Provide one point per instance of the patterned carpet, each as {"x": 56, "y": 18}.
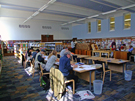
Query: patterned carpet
{"x": 16, "y": 85}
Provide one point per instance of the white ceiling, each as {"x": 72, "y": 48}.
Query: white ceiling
{"x": 63, "y": 10}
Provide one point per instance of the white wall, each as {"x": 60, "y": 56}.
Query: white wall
{"x": 9, "y": 29}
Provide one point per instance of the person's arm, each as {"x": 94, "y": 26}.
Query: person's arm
{"x": 40, "y": 59}
{"x": 68, "y": 65}
{"x": 130, "y": 50}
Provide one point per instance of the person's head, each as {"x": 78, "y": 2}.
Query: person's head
{"x": 68, "y": 54}
{"x": 130, "y": 46}
{"x": 30, "y": 49}
{"x": 42, "y": 51}
{"x": 66, "y": 48}
{"x": 37, "y": 50}
{"x": 52, "y": 53}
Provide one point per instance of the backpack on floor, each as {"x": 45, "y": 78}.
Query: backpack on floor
{"x": 45, "y": 82}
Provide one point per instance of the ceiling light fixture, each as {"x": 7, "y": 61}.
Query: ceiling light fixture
{"x": 102, "y": 14}
{"x": 36, "y": 13}
{"x": 109, "y": 12}
{"x": 93, "y": 16}
{"x": 71, "y": 21}
{"x": 43, "y": 8}
{"x": 64, "y": 24}
{"x": 128, "y": 6}
{"x": 40, "y": 9}
{"x": 81, "y": 19}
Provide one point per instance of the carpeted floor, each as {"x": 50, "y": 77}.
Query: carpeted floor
{"x": 16, "y": 85}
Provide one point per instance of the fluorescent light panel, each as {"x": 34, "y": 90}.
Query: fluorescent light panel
{"x": 81, "y": 19}
{"x": 41, "y": 9}
{"x": 108, "y": 12}
{"x": 93, "y": 16}
{"x": 128, "y": 6}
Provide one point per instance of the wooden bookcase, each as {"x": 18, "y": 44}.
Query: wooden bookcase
{"x": 8, "y": 48}
{"x": 20, "y": 48}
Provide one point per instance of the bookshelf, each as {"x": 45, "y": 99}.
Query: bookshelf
{"x": 19, "y": 49}
{"x": 8, "y": 48}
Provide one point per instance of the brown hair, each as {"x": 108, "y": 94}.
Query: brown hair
{"x": 52, "y": 53}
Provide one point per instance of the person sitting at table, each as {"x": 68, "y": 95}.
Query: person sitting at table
{"x": 63, "y": 51}
{"x": 28, "y": 54}
{"x": 52, "y": 58}
{"x": 114, "y": 47}
{"x": 65, "y": 67}
{"x": 35, "y": 53}
{"x": 123, "y": 47}
{"x": 129, "y": 51}
{"x": 39, "y": 59}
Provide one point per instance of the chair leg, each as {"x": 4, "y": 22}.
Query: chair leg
{"x": 33, "y": 73}
{"x": 73, "y": 87}
{"x": 110, "y": 75}
{"x": 40, "y": 77}
{"x": 103, "y": 77}
{"x": 101, "y": 74}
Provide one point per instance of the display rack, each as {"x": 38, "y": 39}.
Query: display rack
{"x": 34, "y": 45}
{"x": 49, "y": 46}
{"x": 8, "y": 48}
{"x": 20, "y": 48}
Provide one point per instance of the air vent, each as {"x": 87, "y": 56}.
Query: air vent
{"x": 64, "y": 28}
{"x": 24, "y": 26}
{"x": 46, "y": 27}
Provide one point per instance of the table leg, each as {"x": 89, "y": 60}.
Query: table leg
{"x": 90, "y": 81}
{"x": 123, "y": 71}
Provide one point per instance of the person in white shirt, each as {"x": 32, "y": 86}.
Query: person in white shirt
{"x": 63, "y": 51}
{"x": 73, "y": 46}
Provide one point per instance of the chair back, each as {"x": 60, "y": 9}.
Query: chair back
{"x": 78, "y": 59}
{"x": 75, "y": 58}
{"x": 57, "y": 82}
{"x": 58, "y": 55}
{"x": 133, "y": 51}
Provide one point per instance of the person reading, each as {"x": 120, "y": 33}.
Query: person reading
{"x": 65, "y": 67}
{"x": 63, "y": 51}
{"x": 39, "y": 59}
{"x": 52, "y": 58}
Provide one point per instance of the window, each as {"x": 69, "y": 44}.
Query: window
{"x": 112, "y": 23}
{"x": 98, "y": 25}
{"x": 89, "y": 27}
{"x": 127, "y": 21}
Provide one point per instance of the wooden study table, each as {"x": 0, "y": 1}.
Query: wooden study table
{"x": 87, "y": 75}
{"x": 101, "y": 51}
{"x": 117, "y": 65}
{"x": 81, "y": 56}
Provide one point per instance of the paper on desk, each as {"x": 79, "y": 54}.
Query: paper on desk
{"x": 57, "y": 63}
{"x": 88, "y": 67}
{"x": 46, "y": 57}
{"x": 78, "y": 69}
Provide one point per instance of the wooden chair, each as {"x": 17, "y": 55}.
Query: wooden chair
{"x": 104, "y": 71}
{"x": 41, "y": 73}
{"x": 33, "y": 65}
{"x": 58, "y": 83}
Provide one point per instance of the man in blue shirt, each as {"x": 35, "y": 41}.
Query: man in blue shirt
{"x": 129, "y": 51}
{"x": 65, "y": 67}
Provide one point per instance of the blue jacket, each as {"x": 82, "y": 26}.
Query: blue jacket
{"x": 64, "y": 65}
{"x": 34, "y": 54}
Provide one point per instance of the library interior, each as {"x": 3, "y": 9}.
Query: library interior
{"x": 67, "y": 50}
